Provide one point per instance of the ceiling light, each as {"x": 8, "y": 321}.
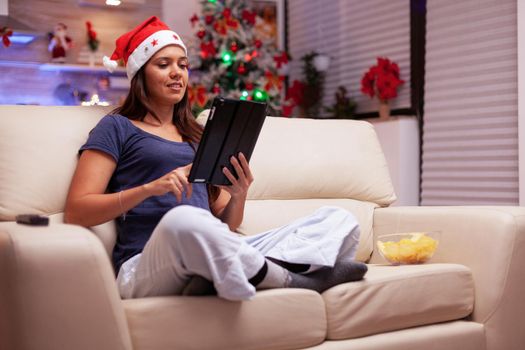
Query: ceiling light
{"x": 112, "y": 2}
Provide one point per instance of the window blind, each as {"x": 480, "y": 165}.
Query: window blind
{"x": 470, "y": 131}
{"x": 353, "y": 33}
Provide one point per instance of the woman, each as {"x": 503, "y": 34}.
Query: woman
{"x": 134, "y": 168}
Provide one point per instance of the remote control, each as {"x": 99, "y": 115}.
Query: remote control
{"x": 32, "y": 219}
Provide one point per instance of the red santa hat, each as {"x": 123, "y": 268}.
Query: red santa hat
{"x": 140, "y": 44}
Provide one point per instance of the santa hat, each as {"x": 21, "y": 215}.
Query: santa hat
{"x": 139, "y": 45}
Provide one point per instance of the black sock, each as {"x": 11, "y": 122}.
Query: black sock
{"x": 327, "y": 277}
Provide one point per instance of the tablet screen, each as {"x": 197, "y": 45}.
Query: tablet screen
{"x": 233, "y": 126}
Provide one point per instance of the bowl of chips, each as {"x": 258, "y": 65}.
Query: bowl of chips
{"x": 408, "y": 248}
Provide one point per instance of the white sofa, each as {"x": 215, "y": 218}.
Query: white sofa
{"x": 57, "y": 288}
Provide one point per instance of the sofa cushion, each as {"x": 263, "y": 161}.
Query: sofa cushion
{"x": 262, "y": 215}
{"x": 274, "y": 319}
{"x": 397, "y": 297}
{"x": 462, "y": 335}
{"x": 307, "y": 158}
{"x": 38, "y": 155}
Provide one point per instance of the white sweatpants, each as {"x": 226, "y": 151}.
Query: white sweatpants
{"x": 191, "y": 241}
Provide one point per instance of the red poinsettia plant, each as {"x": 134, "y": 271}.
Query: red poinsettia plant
{"x": 93, "y": 42}
{"x": 382, "y": 80}
{"x": 5, "y": 33}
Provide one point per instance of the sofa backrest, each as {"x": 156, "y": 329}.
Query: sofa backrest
{"x": 298, "y": 165}
{"x": 38, "y": 155}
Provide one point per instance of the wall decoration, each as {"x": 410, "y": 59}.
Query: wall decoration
{"x": 270, "y": 20}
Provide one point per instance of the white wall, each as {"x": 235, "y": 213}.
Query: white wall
{"x": 521, "y": 98}
{"x": 3, "y": 7}
{"x": 399, "y": 138}
{"x": 177, "y": 13}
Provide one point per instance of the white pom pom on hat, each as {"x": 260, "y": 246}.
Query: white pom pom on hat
{"x": 110, "y": 65}
{"x": 137, "y": 46}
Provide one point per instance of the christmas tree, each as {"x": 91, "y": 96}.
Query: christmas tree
{"x": 231, "y": 58}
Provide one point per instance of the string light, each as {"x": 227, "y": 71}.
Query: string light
{"x": 227, "y": 57}
{"x": 244, "y": 95}
{"x": 260, "y": 95}
{"x": 95, "y": 101}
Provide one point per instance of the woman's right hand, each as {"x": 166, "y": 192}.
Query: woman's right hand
{"x": 176, "y": 181}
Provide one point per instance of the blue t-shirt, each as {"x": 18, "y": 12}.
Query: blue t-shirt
{"x": 141, "y": 158}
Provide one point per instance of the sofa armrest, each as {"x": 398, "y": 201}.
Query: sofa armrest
{"x": 488, "y": 240}
{"x": 58, "y": 290}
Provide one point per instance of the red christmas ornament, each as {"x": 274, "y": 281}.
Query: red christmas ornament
{"x": 216, "y": 89}
{"x": 234, "y": 47}
{"x": 241, "y": 69}
{"x": 249, "y": 86}
{"x": 208, "y": 49}
{"x": 249, "y": 16}
{"x": 194, "y": 19}
{"x": 220, "y": 27}
{"x": 227, "y": 12}
{"x": 201, "y": 33}
{"x": 209, "y": 19}
{"x": 232, "y": 23}
{"x": 258, "y": 43}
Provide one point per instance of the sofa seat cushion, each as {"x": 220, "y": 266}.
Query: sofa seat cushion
{"x": 263, "y": 215}
{"x": 273, "y": 319}
{"x": 398, "y": 297}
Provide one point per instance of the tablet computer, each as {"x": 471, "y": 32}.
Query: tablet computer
{"x": 233, "y": 126}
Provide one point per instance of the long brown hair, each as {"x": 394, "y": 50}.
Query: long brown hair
{"x": 136, "y": 106}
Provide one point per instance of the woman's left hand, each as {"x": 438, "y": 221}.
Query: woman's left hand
{"x": 239, "y": 187}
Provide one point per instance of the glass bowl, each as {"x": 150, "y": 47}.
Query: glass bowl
{"x": 408, "y": 248}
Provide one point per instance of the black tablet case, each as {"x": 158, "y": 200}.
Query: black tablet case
{"x": 233, "y": 126}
